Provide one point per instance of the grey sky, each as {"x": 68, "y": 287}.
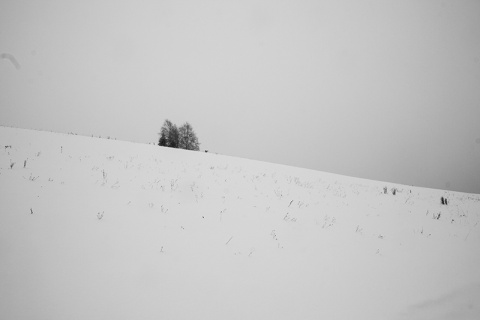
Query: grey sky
{"x": 385, "y": 90}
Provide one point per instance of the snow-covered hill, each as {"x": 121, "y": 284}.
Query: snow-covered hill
{"x": 101, "y": 229}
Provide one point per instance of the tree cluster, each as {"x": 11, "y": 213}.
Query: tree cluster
{"x": 183, "y": 137}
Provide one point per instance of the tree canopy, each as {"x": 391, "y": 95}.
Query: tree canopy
{"x": 168, "y": 135}
{"x": 187, "y": 138}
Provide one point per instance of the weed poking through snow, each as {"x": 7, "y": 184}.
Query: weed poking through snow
{"x": 444, "y": 201}
{"x": 328, "y": 221}
{"x": 359, "y": 230}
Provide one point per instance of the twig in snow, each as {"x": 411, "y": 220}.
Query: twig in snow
{"x": 274, "y": 235}
{"x": 229, "y": 240}
{"x": 359, "y": 230}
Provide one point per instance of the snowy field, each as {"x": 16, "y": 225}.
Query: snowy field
{"x": 100, "y": 229}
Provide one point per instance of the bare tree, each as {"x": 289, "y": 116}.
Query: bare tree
{"x": 168, "y": 135}
{"x": 187, "y": 138}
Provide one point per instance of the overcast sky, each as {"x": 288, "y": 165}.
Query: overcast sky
{"x": 384, "y": 90}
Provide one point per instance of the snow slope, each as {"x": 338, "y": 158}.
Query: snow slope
{"x": 101, "y": 229}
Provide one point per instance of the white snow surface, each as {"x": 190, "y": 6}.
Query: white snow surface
{"x": 101, "y": 229}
